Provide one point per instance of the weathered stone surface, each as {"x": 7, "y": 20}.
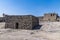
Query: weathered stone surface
{"x": 21, "y": 22}
{"x": 49, "y": 17}
{"x": 28, "y": 21}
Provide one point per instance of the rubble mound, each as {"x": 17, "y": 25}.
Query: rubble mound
{"x": 50, "y": 26}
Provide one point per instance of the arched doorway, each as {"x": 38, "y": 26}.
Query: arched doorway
{"x": 17, "y": 24}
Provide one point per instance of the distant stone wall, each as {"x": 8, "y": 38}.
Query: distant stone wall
{"x": 49, "y": 17}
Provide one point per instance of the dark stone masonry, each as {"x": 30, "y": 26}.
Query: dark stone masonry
{"x": 27, "y": 21}
{"x": 20, "y": 22}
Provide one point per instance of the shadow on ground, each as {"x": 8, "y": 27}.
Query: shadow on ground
{"x": 37, "y": 27}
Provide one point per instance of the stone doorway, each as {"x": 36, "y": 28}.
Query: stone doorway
{"x": 17, "y": 24}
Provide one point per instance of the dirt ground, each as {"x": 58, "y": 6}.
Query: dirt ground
{"x": 18, "y": 34}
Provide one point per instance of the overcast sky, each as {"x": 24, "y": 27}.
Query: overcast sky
{"x": 29, "y": 7}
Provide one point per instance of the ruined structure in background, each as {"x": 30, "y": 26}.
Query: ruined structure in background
{"x": 49, "y": 17}
{"x": 28, "y": 21}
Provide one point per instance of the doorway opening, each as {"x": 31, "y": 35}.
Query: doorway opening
{"x": 17, "y": 25}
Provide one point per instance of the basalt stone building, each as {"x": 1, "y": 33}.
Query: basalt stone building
{"x": 21, "y": 21}
{"x": 28, "y": 21}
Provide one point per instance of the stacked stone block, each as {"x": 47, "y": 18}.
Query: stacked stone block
{"x": 24, "y": 21}
{"x": 49, "y": 17}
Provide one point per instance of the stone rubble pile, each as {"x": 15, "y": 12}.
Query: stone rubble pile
{"x": 50, "y": 26}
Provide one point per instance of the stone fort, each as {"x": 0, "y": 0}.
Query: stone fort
{"x": 27, "y": 21}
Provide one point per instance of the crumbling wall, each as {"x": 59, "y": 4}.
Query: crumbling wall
{"x": 35, "y": 21}
{"x": 49, "y": 17}
{"x": 24, "y": 21}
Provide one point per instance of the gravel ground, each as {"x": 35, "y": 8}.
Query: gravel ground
{"x": 18, "y": 34}
{"x": 10, "y": 34}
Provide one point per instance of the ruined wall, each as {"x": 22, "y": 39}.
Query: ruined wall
{"x": 28, "y": 21}
{"x": 24, "y": 22}
{"x": 49, "y": 17}
{"x": 35, "y": 21}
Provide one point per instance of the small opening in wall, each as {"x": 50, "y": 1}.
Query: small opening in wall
{"x": 51, "y": 14}
{"x": 17, "y": 25}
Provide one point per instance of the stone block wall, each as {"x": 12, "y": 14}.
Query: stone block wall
{"x": 28, "y": 21}
{"x": 50, "y": 17}
{"x": 23, "y": 21}
{"x": 35, "y": 21}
